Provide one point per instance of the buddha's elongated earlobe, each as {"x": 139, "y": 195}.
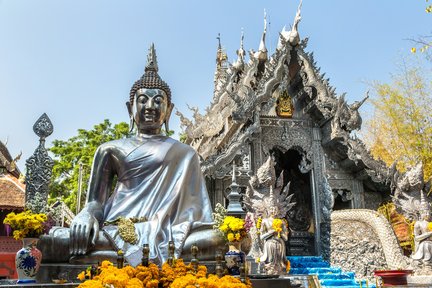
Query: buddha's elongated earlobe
{"x": 131, "y": 117}
{"x": 166, "y": 127}
{"x": 167, "y": 117}
{"x": 131, "y": 124}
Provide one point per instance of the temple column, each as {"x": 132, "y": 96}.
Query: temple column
{"x": 316, "y": 185}
{"x": 219, "y": 193}
{"x": 358, "y": 194}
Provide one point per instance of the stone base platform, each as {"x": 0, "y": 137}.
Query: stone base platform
{"x": 69, "y": 272}
{"x": 420, "y": 281}
{"x": 12, "y": 284}
{"x": 294, "y": 281}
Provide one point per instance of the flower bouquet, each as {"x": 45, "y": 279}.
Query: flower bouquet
{"x": 231, "y": 228}
{"x": 26, "y": 224}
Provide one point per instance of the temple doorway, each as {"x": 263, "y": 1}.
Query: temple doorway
{"x": 342, "y": 199}
{"x": 300, "y": 217}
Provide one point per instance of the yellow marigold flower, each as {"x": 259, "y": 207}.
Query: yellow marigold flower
{"x": 237, "y": 236}
{"x": 134, "y": 283}
{"x": 130, "y": 271}
{"x": 81, "y": 276}
{"x": 429, "y": 226}
{"x": 230, "y": 237}
{"x": 224, "y": 228}
{"x": 258, "y": 223}
{"x": 91, "y": 284}
{"x": 152, "y": 284}
{"x": 106, "y": 264}
{"x": 26, "y": 224}
{"x": 277, "y": 225}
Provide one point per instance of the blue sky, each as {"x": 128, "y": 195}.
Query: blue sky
{"x": 76, "y": 60}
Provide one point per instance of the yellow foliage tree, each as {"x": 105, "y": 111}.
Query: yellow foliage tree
{"x": 401, "y": 127}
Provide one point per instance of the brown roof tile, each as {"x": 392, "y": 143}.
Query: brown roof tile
{"x": 12, "y": 193}
{"x": 6, "y": 160}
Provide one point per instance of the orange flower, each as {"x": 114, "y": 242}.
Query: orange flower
{"x": 178, "y": 275}
{"x": 91, "y": 284}
{"x": 288, "y": 266}
{"x": 81, "y": 276}
{"x": 134, "y": 283}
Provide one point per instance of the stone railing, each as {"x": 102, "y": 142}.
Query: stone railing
{"x": 377, "y": 229}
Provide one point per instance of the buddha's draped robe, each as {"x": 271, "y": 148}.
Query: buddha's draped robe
{"x": 158, "y": 178}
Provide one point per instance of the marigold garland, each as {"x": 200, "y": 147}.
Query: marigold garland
{"x": 258, "y": 225}
{"x": 212, "y": 281}
{"x": 277, "y": 225}
{"x": 176, "y": 276}
{"x": 429, "y": 226}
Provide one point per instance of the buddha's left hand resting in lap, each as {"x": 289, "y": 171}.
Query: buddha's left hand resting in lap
{"x": 160, "y": 194}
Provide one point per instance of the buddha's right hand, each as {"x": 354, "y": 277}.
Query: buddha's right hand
{"x": 83, "y": 233}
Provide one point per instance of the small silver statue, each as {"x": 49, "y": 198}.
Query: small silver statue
{"x": 160, "y": 194}
{"x": 423, "y": 234}
{"x": 274, "y": 252}
{"x": 267, "y": 198}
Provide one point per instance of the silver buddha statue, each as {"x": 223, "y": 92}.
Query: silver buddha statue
{"x": 160, "y": 194}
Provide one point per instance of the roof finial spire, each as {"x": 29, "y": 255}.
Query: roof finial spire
{"x": 239, "y": 64}
{"x": 221, "y": 63}
{"x": 152, "y": 60}
{"x": 294, "y": 37}
{"x": 262, "y": 47}
{"x": 241, "y": 39}
{"x": 219, "y": 40}
{"x": 261, "y": 54}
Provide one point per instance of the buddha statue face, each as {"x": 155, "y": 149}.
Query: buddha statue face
{"x": 149, "y": 110}
{"x": 150, "y": 99}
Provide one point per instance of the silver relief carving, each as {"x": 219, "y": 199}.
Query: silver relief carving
{"x": 39, "y": 168}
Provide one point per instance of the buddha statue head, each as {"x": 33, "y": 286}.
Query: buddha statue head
{"x": 150, "y": 104}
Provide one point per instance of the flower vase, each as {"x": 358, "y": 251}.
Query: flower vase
{"x": 234, "y": 258}
{"x": 28, "y": 260}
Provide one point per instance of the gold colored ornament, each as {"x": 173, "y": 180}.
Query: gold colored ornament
{"x": 126, "y": 229}
{"x": 284, "y": 105}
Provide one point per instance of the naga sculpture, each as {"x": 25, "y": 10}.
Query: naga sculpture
{"x": 347, "y": 117}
